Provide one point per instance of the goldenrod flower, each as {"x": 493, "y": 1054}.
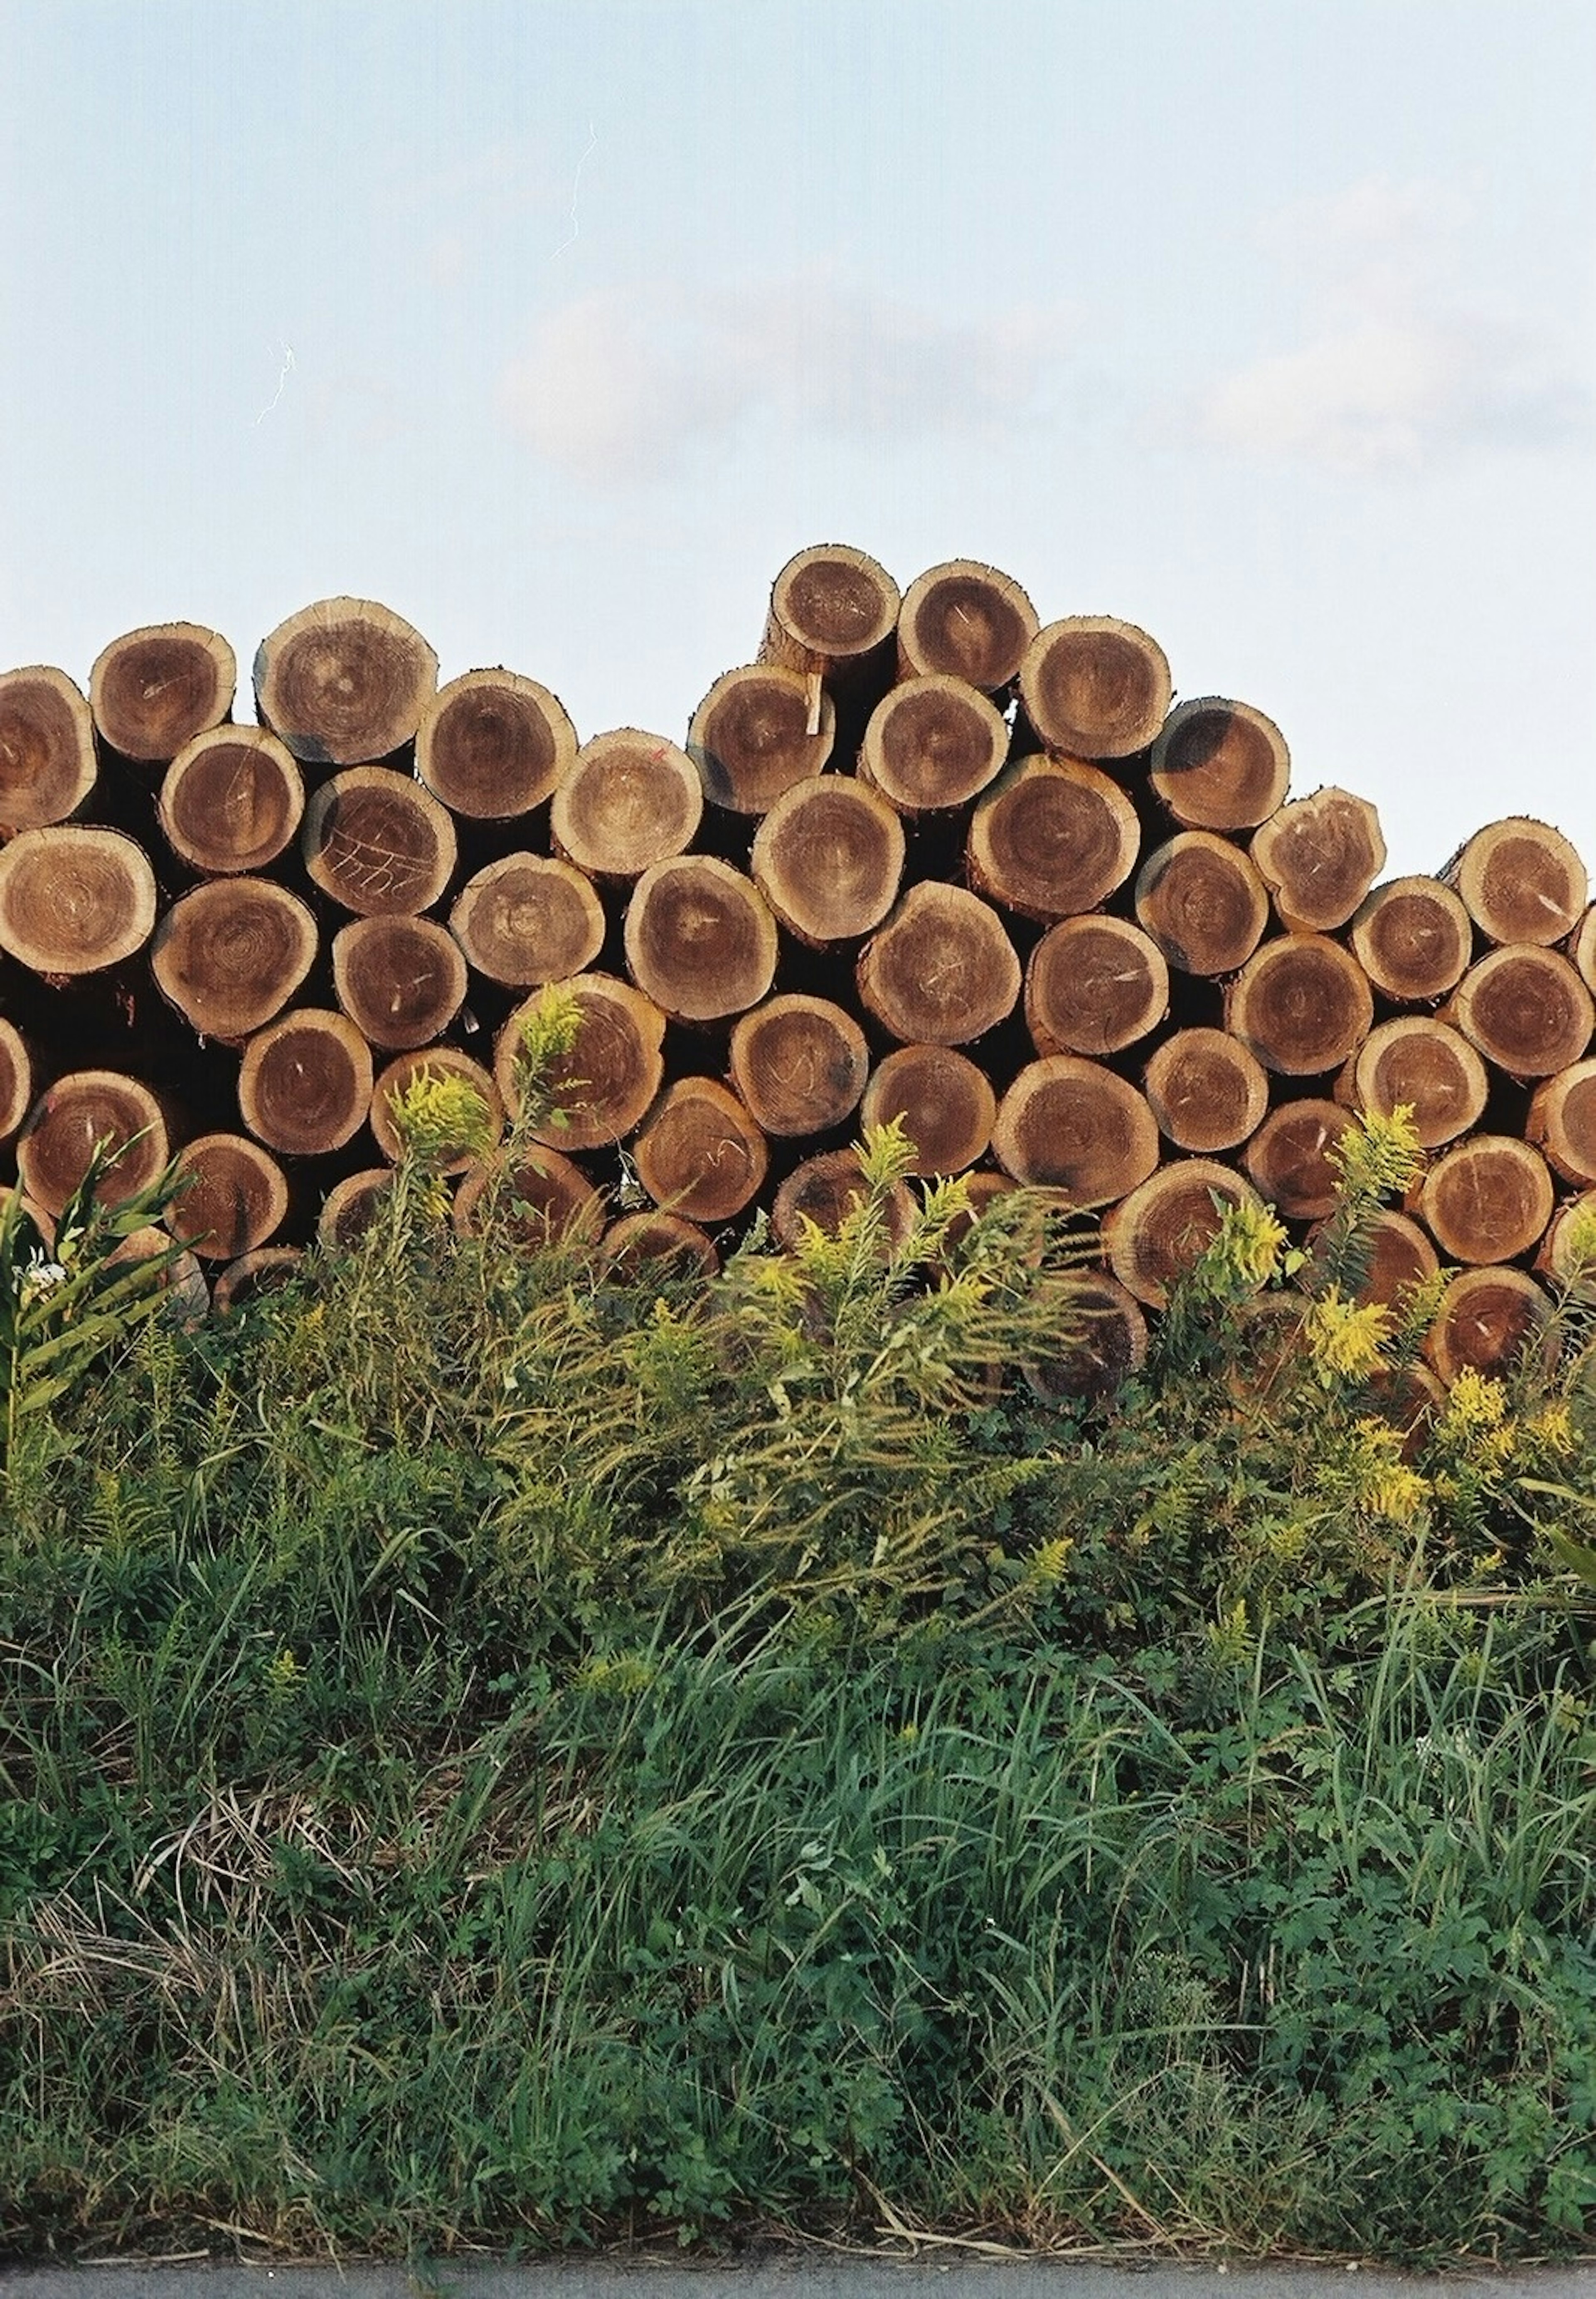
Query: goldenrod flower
{"x": 1346, "y": 1336}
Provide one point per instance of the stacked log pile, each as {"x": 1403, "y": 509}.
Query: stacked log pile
{"x": 925, "y": 857}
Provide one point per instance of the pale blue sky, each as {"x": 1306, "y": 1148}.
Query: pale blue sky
{"x": 1270, "y": 323}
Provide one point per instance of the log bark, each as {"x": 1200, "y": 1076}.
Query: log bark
{"x": 799, "y": 1065}
{"x": 832, "y": 611}
{"x": 1429, "y": 1067}
{"x": 1155, "y": 1234}
{"x": 932, "y": 742}
{"x": 1207, "y": 1091}
{"x": 1562, "y": 1122}
{"x": 1302, "y": 1004}
{"x": 253, "y": 1274}
{"x": 1075, "y": 1127}
{"x": 1413, "y": 938}
{"x": 1094, "y": 985}
{"x": 1288, "y": 1158}
{"x": 967, "y": 620}
{"x": 1220, "y": 764}
{"x": 1526, "y": 1010}
{"x": 232, "y": 801}
{"x": 828, "y": 859}
{"x": 602, "y": 1087}
{"x": 351, "y": 1206}
{"x": 1486, "y": 1318}
{"x": 531, "y": 1203}
{"x": 628, "y": 800}
{"x": 824, "y": 1191}
{"x": 305, "y": 1084}
{"x": 48, "y": 764}
{"x": 1202, "y": 902}
{"x": 492, "y": 744}
{"x": 1052, "y": 838}
{"x": 16, "y": 1079}
{"x": 231, "y": 953}
{"x": 75, "y": 900}
{"x": 151, "y": 691}
{"x": 344, "y": 682}
{"x": 526, "y": 920}
{"x": 86, "y": 1107}
{"x": 946, "y": 1106}
{"x": 1111, "y": 1344}
{"x": 639, "y": 1247}
{"x": 401, "y": 981}
{"x": 1095, "y": 688}
{"x": 942, "y": 971}
{"x": 1520, "y": 882}
{"x": 1488, "y": 1199}
{"x": 751, "y": 736}
{"x": 1319, "y": 857}
{"x": 700, "y": 940}
{"x": 438, "y": 1062}
{"x": 378, "y": 843}
{"x": 234, "y": 1197}
{"x": 699, "y": 1154}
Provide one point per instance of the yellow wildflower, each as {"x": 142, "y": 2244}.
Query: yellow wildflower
{"x": 1476, "y": 1403}
{"x": 1346, "y": 1336}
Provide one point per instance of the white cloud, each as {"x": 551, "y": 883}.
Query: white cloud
{"x": 623, "y": 386}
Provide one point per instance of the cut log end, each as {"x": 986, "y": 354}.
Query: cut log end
{"x": 1289, "y": 1158}
{"x": 1526, "y": 1010}
{"x": 16, "y": 1079}
{"x": 945, "y": 1106}
{"x": 630, "y": 800}
{"x": 798, "y": 1064}
{"x": 601, "y": 1089}
{"x": 231, "y": 953}
{"x": 1427, "y": 1067}
{"x": 824, "y": 1191}
{"x": 644, "y": 1247}
{"x": 1077, "y": 1128}
{"x": 700, "y": 939}
{"x": 234, "y": 1197}
{"x": 751, "y": 736}
{"x": 154, "y": 690}
{"x": 1110, "y": 1345}
{"x": 1154, "y": 1235}
{"x": 1319, "y": 857}
{"x": 75, "y": 900}
{"x": 48, "y": 763}
{"x": 1206, "y": 1090}
{"x": 1413, "y": 939}
{"x": 1520, "y": 882}
{"x": 536, "y": 1203}
{"x": 447, "y": 1156}
{"x": 1095, "y": 688}
{"x": 378, "y": 843}
{"x": 526, "y": 920}
{"x": 254, "y": 1275}
{"x": 401, "y": 980}
{"x": 932, "y": 742}
{"x": 1052, "y": 838}
{"x": 1220, "y": 764}
{"x": 829, "y": 859}
{"x": 1094, "y": 985}
{"x": 305, "y": 1084}
{"x": 942, "y": 971}
{"x": 1486, "y": 1318}
{"x": 492, "y": 744}
{"x": 700, "y": 1153}
{"x": 967, "y": 620}
{"x": 80, "y": 1113}
{"x": 830, "y": 606}
{"x": 1202, "y": 902}
{"x": 351, "y": 1206}
{"x": 344, "y": 682}
{"x": 1562, "y": 1122}
{"x": 232, "y": 801}
{"x": 1400, "y": 1258}
{"x": 1488, "y": 1199}
{"x": 1301, "y": 1004}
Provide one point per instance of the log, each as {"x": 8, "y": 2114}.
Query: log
{"x": 73, "y": 900}
{"x": 653, "y": 1245}
{"x": 699, "y": 939}
{"x": 378, "y": 843}
{"x": 828, "y": 859}
{"x": 967, "y": 620}
{"x": 16, "y": 1079}
{"x": 1094, "y": 985}
{"x": 1557, "y": 1258}
{"x": 1052, "y": 838}
{"x": 1075, "y": 1127}
{"x": 1520, "y": 882}
{"x": 602, "y": 1088}
{"x": 1562, "y": 1122}
{"x": 182, "y": 1281}
{"x": 799, "y": 1065}
{"x": 942, "y": 971}
{"x": 1220, "y": 764}
{"x": 1095, "y": 688}
{"x": 67, "y": 1123}
{"x": 945, "y": 1104}
{"x": 534, "y": 1202}
{"x": 1525, "y": 1009}
{"x": 1582, "y": 947}
{"x": 699, "y": 1154}
{"x": 1400, "y": 1257}
{"x": 154, "y": 690}
{"x": 234, "y": 1197}
{"x": 1429, "y": 1067}
{"x": 344, "y": 682}
{"x": 1111, "y": 1346}
{"x": 48, "y": 764}
{"x": 751, "y": 736}
{"x": 1487, "y": 1317}
{"x": 1155, "y": 1234}
{"x": 629, "y": 800}
{"x": 832, "y": 611}
{"x": 824, "y": 1191}
{"x": 1413, "y": 939}
{"x": 1202, "y": 902}
{"x": 1288, "y": 1158}
{"x": 305, "y": 1084}
{"x": 1301, "y": 1004}
{"x": 1487, "y": 1199}
{"x": 1207, "y": 1091}
{"x": 932, "y": 743}
{"x": 231, "y": 953}
{"x": 492, "y": 744}
{"x": 351, "y": 1206}
{"x": 438, "y": 1062}
{"x": 401, "y": 980}
{"x": 1319, "y": 856}
{"x": 264, "y": 1270}
{"x": 232, "y": 799}
{"x": 526, "y": 920}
